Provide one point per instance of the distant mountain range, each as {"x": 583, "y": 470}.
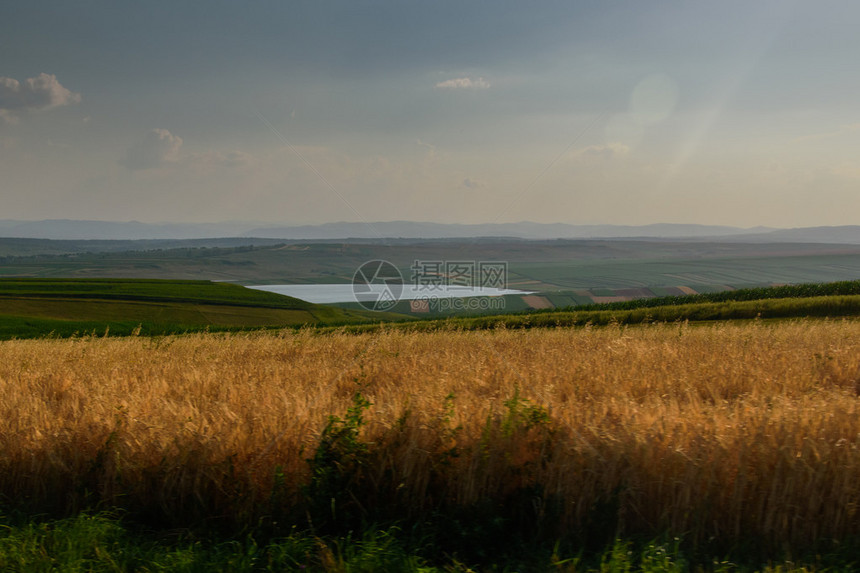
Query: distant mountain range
{"x": 846, "y": 234}
{"x": 524, "y": 230}
{"x": 133, "y": 230}
{"x": 70, "y": 229}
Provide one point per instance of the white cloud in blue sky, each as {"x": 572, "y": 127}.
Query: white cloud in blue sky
{"x": 668, "y": 111}
{"x": 464, "y": 83}
{"x": 33, "y": 94}
{"x": 159, "y": 147}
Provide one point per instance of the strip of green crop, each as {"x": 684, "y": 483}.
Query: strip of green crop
{"x": 153, "y": 290}
{"x": 22, "y": 327}
{"x": 841, "y": 288}
{"x": 821, "y": 306}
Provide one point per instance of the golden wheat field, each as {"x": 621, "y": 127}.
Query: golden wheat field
{"x": 728, "y": 430}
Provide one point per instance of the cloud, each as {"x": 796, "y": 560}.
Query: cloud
{"x": 431, "y": 149}
{"x": 229, "y": 159}
{"x": 8, "y": 117}
{"x": 464, "y": 83}
{"x": 158, "y": 148}
{"x": 607, "y": 151}
{"x": 33, "y": 94}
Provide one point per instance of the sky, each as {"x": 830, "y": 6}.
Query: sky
{"x": 588, "y": 112}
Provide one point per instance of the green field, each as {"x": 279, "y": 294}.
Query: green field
{"x": 830, "y": 300}
{"x": 185, "y": 291}
{"x": 38, "y": 307}
{"x": 562, "y": 273}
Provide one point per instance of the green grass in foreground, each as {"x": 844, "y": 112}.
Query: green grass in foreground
{"x": 102, "y": 542}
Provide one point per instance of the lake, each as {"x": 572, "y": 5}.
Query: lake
{"x": 332, "y": 293}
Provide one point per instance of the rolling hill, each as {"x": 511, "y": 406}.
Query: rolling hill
{"x": 64, "y": 307}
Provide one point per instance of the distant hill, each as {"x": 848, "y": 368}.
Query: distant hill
{"x": 66, "y": 229}
{"x": 69, "y": 229}
{"x": 848, "y": 235}
{"x": 35, "y": 247}
{"x": 64, "y": 307}
{"x": 523, "y": 230}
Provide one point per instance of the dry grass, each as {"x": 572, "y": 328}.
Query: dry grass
{"x": 727, "y": 431}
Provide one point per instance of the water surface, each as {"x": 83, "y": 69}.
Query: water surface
{"x": 332, "y": 293}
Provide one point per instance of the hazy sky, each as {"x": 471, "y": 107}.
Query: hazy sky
{"x": 629, "y": 112}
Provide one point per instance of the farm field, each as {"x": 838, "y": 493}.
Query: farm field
{"x": 533, "y": 265}
{"x": 739, "y": 440}
{"x": 562, "y": 273}
{"x": 36, "y": 307}
{"x": 839, "y": 299}
{"x": 73, "y": 307}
